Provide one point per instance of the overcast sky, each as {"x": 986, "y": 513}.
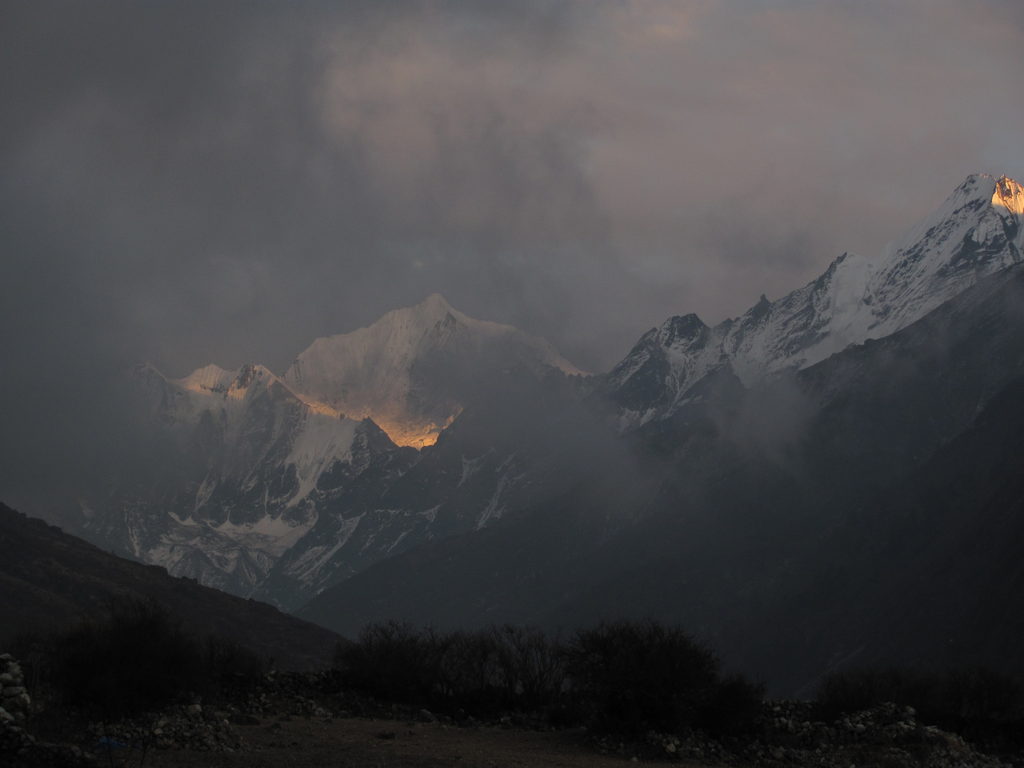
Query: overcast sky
{"x": 193, "y": 182}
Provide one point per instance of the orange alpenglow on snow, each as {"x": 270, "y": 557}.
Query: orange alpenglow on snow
{"x": 404, "y": 372}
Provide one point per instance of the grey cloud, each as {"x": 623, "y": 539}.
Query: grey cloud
{"x": 197, "y": 182}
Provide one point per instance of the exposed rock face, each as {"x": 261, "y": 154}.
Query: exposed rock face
{"x": 977, "y": 231}
{"x": 231, "y": 485}
{"x": 279, "y": 487}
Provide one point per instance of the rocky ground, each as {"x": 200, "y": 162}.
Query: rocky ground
{"x": 301, "y": 720}
{"x": 374, "y": 743}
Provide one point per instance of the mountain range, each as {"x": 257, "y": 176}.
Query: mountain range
{"x": 276, "y": 487}
{"x": 975, "y": 232}
{"x": 797, "y": 485}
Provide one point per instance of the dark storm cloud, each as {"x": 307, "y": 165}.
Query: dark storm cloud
{"x": 250, "y": 180}
{"x": 193, "y": 182}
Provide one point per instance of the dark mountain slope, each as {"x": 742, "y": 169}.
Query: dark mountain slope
{"x": 940, "y": 557}
{"x": 756, "y": 537}
{"x": 49, "y": 580}
{"x": 533, "y": 440}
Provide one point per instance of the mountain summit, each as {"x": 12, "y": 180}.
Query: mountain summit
{"x": 1009, "y": 194}
{"x": 977, "y": 231}
{"x": 254, "y": 465}
{"x": 413, "y": 370}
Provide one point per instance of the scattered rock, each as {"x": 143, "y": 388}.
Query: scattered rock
{"x": 886, "y": 734}
{"x": 14, "y": 699}
{"x": 19, "y": 748}
{"x": 175, "y": 728}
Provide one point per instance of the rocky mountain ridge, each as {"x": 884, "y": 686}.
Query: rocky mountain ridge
{"x": 865, "y": 510}
{"x": 269, "y": 486}
{"x": 977, "y": 231}
{"x": 272, "y": 486}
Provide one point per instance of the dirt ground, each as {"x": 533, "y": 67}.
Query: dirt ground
{"x": 365, "y": 743}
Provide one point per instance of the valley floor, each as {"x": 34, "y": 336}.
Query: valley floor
{"x": 375, "y": 743}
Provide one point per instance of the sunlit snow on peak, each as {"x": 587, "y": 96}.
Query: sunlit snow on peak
{"x": 974, "y": 232}
{"x": 209, "y": 378}
{"x": 417, "y": 434}
{"x": 1009, "y": 194}
{"x": 401, "y": 370}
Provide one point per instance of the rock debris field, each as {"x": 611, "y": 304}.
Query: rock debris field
{"x": 289, "y": 720}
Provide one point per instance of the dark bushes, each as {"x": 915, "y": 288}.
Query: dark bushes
{"x": 229, "y": 668}
{"x": 624, "y": 677}
{"x": 635, "y": 677}
{"x": 470, "y": 676}
{"x": 500, "y": 669}
{"x": 137, "y": 658}
{"x": 392, "y": 661}
{"x": 531, "y": 667}
{"x": 504, "y": 668}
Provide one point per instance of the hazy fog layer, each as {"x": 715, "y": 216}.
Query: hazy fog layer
{"x": 192, "y": 182}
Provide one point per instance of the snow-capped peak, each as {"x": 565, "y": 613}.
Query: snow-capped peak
{"x": 1009, "y": 195}
{"x": 249, "y": 376}
{"x": 389, "y": 371}
{"x": 979, "y": 194}
{"x": 435, "y": 304}
{"x": 681, "y": 329}
{"x": 209, "y": 378}
{"x": 402, "y": 371}
{"x": 976, "y": 231}
{"x": 214, "y": 380}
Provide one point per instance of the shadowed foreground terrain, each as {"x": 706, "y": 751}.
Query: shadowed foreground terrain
{"x": 659, "y": 700}
{"x": 50, "y": 580}
{"x": 372, "y": 743}
{"x": 292, "y": 730}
